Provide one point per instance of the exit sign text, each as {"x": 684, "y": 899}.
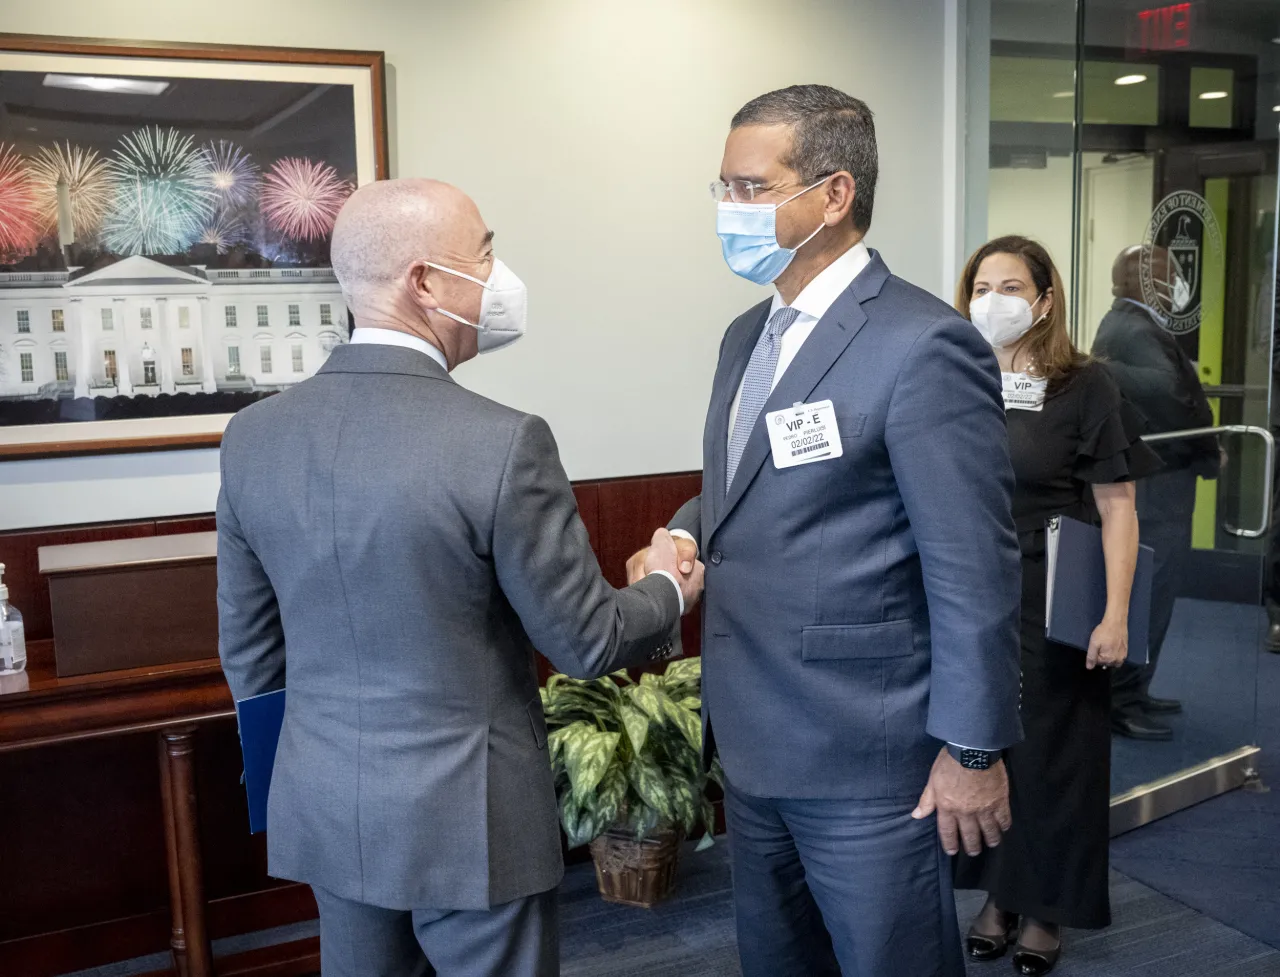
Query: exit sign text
{"x": 1163, "y": 28}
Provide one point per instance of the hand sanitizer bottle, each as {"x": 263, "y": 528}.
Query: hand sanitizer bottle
{"x": 13, "y": 642}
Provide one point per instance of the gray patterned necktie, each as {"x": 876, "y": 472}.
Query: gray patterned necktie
{"x": 757, "y": 384}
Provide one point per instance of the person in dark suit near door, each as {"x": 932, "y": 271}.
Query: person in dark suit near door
{"x": 860, "y": 637}
{"x": 391, "y": 549}
{"x": 1158, "y": 378}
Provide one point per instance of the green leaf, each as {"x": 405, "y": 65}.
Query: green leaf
{"x": 689, "y": 723}
{"x": 708, "y": 840}
{"x": 643, "y": 820}
{"x": 649, "y": 699}
{"x": 684, "y": 670}
{"x": 648, "y": 780}
{"x": 717, "y": 772}
{"x": 651, "y": 680}
{"x": 610, "y": 796}
{"x": 636, "y": 724}
{"x": 570, "y": 815}
{"x": 587, "y": 754}
{"x": 556, "y": 738}
{"x": 693, "y": 702}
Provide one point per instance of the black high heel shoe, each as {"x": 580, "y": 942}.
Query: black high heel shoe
{"x": 984, "y": 946}
{"x": 1035, "y": 963}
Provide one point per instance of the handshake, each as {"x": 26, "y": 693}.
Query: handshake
{"x": 675, "y": 555}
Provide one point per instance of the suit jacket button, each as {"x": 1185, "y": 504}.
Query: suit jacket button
{"x": 716, "y": 557}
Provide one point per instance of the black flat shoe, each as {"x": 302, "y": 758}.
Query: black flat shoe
{"x": 1035, "y": 963}
{"x": 983, "y": 946}
{"x": 1140, "y": 728}
{"x": 1161, "y": 707}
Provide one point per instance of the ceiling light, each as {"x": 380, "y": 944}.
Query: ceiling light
{"x": 1275, "y": 108}
{"x": 1064, "y": 94}
{"x": 1210, "y": 96}
{"x": 1131, "y": 79}
{"x": 96, "y": 83}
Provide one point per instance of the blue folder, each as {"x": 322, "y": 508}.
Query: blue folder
{"x": 260, "y": 718}
{"x": 1076, "y": 591}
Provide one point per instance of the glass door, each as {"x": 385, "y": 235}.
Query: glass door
{"x": 1175, "y": 268}
{"x": 1138, "y": 142}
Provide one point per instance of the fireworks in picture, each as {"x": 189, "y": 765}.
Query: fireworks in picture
{"x": 163, "y": 193}
{"x": 19, "y": 219}
{"x": 223, "y": 232}
{"x": 302, "y": 197}
{"x": 87, "y": 180}
{"x": 233, "y": 174}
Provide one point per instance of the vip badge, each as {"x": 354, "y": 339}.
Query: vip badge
{"x": 1182, "y": 230}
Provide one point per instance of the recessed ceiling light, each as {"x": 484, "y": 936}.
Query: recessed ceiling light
{"x": 1131, "y": 79}
{"x": 1275, "y": 108}
{"x": 1064, "y": 94}
{"x": 97, "y": 83}
{"x": 1210, "y": 96}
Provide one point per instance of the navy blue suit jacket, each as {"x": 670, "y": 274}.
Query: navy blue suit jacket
{"x": 860, "y": 610}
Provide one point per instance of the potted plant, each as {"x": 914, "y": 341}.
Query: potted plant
{"x": 628, "y": 762}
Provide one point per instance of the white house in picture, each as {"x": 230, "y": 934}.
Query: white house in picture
{"x": 139, "y": 327}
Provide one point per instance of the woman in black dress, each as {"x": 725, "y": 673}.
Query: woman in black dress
{"x": 1073, "y": 455}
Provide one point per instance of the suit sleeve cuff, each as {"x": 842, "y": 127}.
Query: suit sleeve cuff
{"x": 675, "y": 583}
{"x": 684, "y": 535}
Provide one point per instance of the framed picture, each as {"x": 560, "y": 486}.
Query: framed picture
{"x": 165, "y": 219}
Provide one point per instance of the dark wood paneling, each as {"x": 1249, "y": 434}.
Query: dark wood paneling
{"x": 28, "y": 590}
{"x": 186, "y": 524}
{"x": 85, "y": 884}
{"x": 87, "y": 839}
{"x": 631, "y": 509}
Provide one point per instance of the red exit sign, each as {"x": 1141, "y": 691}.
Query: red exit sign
{"x": 1163, "y": 28}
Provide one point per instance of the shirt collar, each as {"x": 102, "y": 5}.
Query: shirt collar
{"x": 1159, "y": 319}
{"x": 821, "y": 293}
{"x": 390, "y": 337}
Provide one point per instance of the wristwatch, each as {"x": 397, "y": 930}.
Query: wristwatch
{"x": 973, "y": 759}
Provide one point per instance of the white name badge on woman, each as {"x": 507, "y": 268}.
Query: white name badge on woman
{"x": 1022, "y": 391}
{"x": 804, "y": 433}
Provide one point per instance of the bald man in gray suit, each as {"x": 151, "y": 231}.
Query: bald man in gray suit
{"x": 391, "y": 547}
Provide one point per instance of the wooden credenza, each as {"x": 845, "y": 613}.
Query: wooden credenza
{"x": 125, "y": 831}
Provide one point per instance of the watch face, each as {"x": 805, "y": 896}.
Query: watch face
{"x": 975, "y": 759}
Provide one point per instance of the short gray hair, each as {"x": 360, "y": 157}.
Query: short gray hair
{"x": 832, "y": 131}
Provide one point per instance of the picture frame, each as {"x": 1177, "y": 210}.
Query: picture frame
{"x": 165, "y": 210}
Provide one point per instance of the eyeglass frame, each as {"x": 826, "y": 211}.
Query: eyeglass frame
{"x": 722, "y": 188}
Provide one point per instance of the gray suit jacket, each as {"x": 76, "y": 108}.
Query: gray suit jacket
{"x": 389, "y": 545}
{"x": 860, "y": 610}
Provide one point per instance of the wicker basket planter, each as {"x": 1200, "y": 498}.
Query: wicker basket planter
{"x": 636, "y": 873}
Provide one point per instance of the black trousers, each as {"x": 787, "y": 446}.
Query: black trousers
{"x": 1166, "y": 503}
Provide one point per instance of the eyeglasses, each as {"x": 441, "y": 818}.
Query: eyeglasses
{"x": 744, "y": 191}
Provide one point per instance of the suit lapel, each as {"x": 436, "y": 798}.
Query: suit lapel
{"x": 736, "y": 357}
{"x": 829, "y": 339}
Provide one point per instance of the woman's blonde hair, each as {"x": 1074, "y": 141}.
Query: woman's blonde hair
{"x": 1048, "y": 345}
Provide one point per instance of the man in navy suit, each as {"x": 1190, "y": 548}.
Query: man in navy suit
{"x": 860, "y": 631}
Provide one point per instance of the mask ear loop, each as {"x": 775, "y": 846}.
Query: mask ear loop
{"x": 458, "y": 274}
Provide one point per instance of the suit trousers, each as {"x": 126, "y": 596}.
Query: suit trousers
{"x": 1166, "y": 504}
{"x": 840, "y": 888}
{"x": 518, "y": 939}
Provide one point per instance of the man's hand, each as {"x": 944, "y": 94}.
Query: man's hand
{"x": 686, "y": 553}
{"x": 972, "y": 805}
{"x": 664, "y": 552}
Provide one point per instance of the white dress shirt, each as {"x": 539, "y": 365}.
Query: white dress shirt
{"x": 813, "y": 302}
{"x": 390, "y": 337}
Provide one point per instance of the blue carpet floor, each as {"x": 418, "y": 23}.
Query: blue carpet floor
{"x": 1223, "y": 856}
{"x": 692, "y": 935}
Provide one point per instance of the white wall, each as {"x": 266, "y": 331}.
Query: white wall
{"x": 587, "y": 131}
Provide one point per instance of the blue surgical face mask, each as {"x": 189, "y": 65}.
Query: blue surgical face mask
{"x": 749, "y": 238}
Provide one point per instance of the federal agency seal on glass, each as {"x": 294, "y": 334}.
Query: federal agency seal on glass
{"x": 1181, "y": 231}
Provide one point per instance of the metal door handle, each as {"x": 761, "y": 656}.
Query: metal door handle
{"x": 1268, "y": 468}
